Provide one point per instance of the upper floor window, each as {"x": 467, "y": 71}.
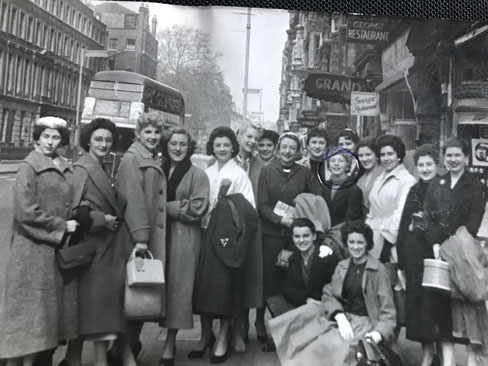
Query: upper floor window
{"x": 4, "y": 17}
{"x": 13, "y": 21}
{"x": 113, "y": 44}
{"x": 20, "y": 33}
{"x": 130, "y": 44}
{"x": 130, "y": 21}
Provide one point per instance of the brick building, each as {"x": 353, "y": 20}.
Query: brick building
{"x": 131, "y": 37}
{"x": 40, "y": 43}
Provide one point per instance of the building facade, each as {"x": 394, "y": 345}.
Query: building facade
{"x": 130, "y": 37}
{"x": 40, "y": 46}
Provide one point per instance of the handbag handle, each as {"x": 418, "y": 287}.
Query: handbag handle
{"x": 133, "y": 254}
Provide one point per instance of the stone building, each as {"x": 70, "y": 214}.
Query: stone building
{"x": 130, "y": 37}
{"x": 40, "y": 45}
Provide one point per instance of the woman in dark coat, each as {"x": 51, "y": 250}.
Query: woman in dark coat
{"x": 282, "y": 180}
{"x": 453, "y": 200}
{"x": 101, "y": 283}
{"x": 343, "y": 196}
{"x": 309, "y": 269}
{"x": 188, "y": 191}
{"x": 34, "y": 315}
{"x": 423, "y": 305}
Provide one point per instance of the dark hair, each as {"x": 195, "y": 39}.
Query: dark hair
{"x": 349, "y": 134}
{"x": 180, "y": 131}
{"x": 64, "y": 132}
{"x": 367, "y": 142}
{"x": 426, "y": 150}
{"x": 303, "y": 222}
{"x": 359, "y": 227}
{"x": 456, "y": 142}
{"x": 318, "y": 132}
{"x": 270, "y": 135}
{"x": 394, "y": 142}
{"x": 222, "y": 131}
{"x": 96, "y": 124}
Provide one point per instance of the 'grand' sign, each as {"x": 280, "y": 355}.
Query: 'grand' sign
{"x": 332, "y": 87}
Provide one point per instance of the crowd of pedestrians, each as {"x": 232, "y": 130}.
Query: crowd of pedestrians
{"x": 332, "y": 244}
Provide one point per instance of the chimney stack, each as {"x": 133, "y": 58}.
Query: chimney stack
{"x": 154, "y": 23}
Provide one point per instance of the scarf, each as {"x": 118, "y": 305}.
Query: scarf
{"x": 176, "y": 177}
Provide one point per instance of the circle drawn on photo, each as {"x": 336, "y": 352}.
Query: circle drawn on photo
{"x": 353, "y": 172}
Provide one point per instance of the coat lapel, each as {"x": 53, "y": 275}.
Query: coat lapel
{"x": 99, "y": 178}
{"x": 145, "y": 157}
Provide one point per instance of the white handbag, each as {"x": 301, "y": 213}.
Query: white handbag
{"x": 144, "y": 271}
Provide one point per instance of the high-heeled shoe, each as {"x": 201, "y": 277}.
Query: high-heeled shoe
{"x": 261, "y": 333}
{"x": 201, "y": 353}
{"x": 168, "y": 361}
{"x": 219, "y": 359}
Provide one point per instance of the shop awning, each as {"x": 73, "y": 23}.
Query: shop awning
{"x": 333, "y": 87}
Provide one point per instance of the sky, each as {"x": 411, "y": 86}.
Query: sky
{"x": 227, "y": 27}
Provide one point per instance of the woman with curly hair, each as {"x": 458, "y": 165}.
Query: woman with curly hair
{"x": 217, "y": 291}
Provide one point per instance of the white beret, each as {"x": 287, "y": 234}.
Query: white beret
{"x": 52, "y": 122}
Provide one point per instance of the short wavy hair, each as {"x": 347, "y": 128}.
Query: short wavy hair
{"x": 318, "y": 132}
{"x": 456, "y": 142}
{"x": 64, "y": 132}
{"x": 180, "y": 131}
{"x": 303, "y": 222}
{"x": 367, "y": 142}
{"x": 154, "y": 119}
{"x": 222, "y": 131}
{"x": 290, "y": 135}
{"x": 270, "y": 135}
{"x": 349, "y": 134}
{"x": 96, "y": 124}
{"x": 427, "y": 150}
{"x": 394, "y": 142}
{"x": 249, "y": 126}
{"x": 359, "y": 227}
{"x": 339, "y": 151}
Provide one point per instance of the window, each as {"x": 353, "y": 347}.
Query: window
{"x": 53, "y": 40}
{"x": 11, "y": 72}
{"x": 4, "y": 17}
{"x": 38, "y": 34}
{"x": 66, "y": 46}
{"x": 13, "y": 21}
{"x": 19, "y": 74}
{"x": 130, "y": 21}
{"x": 3, "y": 124}
{"x": 20, "y": 33}
{"x": 28, "y": 31}
{"x": 113, "y": 44}
{"x": 60, "y": 44}
{"x": 27, "y": 78}
{"x": 111, "y": 64}
{"x": 130, "y": 44}
{"x": 2, "y": 70}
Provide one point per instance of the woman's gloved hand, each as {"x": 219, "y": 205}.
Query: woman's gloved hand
{"x": 345, "y": 329}
{"x": 375, "y": 336}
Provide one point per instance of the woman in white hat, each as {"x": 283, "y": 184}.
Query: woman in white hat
{"x": 36, "y": 315}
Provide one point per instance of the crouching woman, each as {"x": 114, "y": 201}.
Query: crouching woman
{"x": 358, "y": 302}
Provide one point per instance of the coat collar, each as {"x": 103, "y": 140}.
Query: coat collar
{"x": 372, "y": 264}
{"x": 98, "y": 176}
{"x": 465, "y": 179}
{"x": 293, "y": 169}
{"x": 145, "y": 157}
{"x": 39, "y": 162}
{"x": 398, "y": 173}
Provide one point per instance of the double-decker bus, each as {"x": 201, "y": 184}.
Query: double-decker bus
{"x": 122, "y": 96}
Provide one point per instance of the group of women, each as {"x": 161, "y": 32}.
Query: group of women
{"x": 186, "y": 217}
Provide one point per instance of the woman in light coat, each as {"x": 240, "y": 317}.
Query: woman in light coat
{"x": 388, "y": 197}
{"x": 188, "y": 191}
{"x": 141, "y": 186}
{"x": 37, "y": 312}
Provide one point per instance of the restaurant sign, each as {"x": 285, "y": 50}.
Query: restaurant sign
{"x": 368, "y": 29}
{"x": 332, "y": 87}
{"x": 308, "y": 122}
{"x": 364, "y": 104}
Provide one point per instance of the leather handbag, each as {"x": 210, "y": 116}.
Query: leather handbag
{"x": 143, "y": 302}
{"x": 282, "y": 260}
{"x": 369, "y": 353}
{"x": 144, "y": 271}
{"x": 73, "y": 256}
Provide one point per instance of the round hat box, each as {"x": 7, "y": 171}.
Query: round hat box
{"x": 436, "y": 275}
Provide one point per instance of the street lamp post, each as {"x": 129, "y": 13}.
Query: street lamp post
{"x": 246, "y": 68}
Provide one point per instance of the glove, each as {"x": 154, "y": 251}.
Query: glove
{"x": 345, "y": 329}
{"x": 375, "y": 336}
{"x": 324, "y": 251}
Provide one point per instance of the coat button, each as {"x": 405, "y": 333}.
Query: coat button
{"x": 161, "y": 208}
{"x": 161, "y": 225}
{"x": 67, "y": 204}
{"x": 160, "y": 191}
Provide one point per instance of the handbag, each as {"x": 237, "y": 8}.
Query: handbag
{"x": 72, "y": 256}
{"x": 143, "y": 302}
{"x": 282, "y": 260}
{"x": 369, "y": 353}
{"x": 144, "y": 271}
